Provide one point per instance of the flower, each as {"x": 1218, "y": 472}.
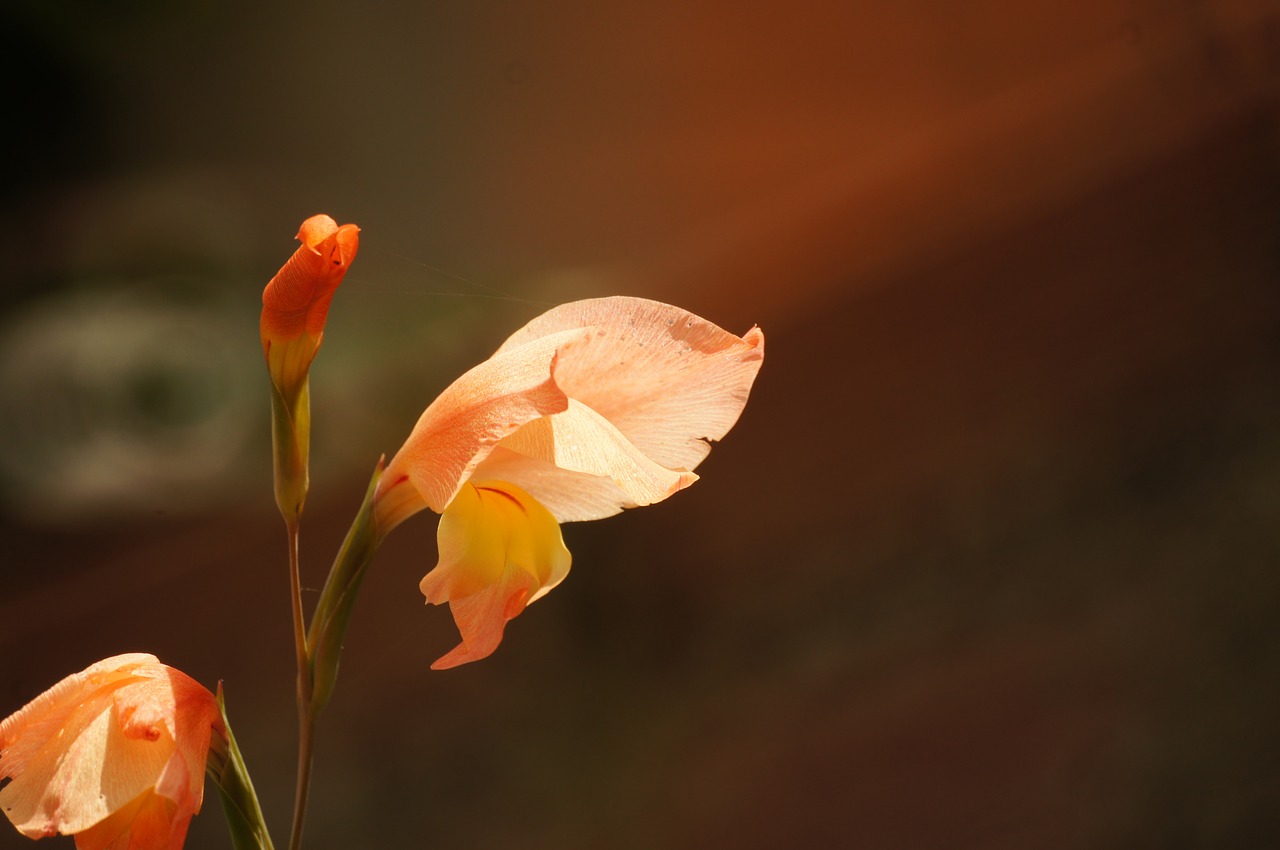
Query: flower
{"x": 296, "y": 301}
{"x": 114, "y": 755}
{"x": 591, "y": 408}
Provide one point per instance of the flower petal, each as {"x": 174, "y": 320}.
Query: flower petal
{"x": 668, "y": 380}
{"x": 149, "y": 822}
{"x": 580, "y": 441}
{"x": 112, "y": 833}
{"x": 459, "y": 429}
{"x": 84, "y": 752}
{"x": 569, "y": 496}
{"x": 196, "y": 717}
{"x": 296, "y": 300}
{"x": 24, "y": 733}
{"x": 103, "y": 770}
{"x": 54, "y": 748}
{"x": 499, "y": 551}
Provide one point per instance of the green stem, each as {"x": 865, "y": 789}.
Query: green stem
{"x": 306, "y": 735}
{"x": 319, "y": 648}
{"x": 299, "y": 622}
{"x": 290, "y": 443}
{"x": 306, "y": 717}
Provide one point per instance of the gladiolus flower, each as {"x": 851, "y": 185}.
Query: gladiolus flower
{"x": 295, "y": 303}
{"x": 114, "y": 755}
{"x": 591, "y": 408}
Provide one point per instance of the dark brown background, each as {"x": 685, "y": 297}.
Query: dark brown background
{"x": 989, "y": 562}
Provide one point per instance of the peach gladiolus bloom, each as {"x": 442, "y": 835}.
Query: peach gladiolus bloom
{"x": 591, "y": 408}
{"x": 114, "y": 755}
{"x": 295, "y": 303}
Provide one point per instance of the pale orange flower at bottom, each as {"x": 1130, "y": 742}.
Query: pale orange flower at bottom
{"x": 593, "y": 407}
{"x": 114, "y": 755}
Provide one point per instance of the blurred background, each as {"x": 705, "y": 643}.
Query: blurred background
{"x": 990, "y": 560}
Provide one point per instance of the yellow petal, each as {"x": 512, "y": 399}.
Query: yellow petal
{"x": 499, "y": 550}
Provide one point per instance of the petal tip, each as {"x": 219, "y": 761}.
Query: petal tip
{"x": 315, "y": 229}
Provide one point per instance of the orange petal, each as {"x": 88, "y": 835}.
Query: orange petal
{"x": 113, "y": 831}
{"x": 499, "y": 550}
{"x": 297, "y": 299}
{"x": 196, "y": 718}
{"x": 668, "y": 380}
{"x": 24, "y": 733}
{"x": 88, "y": 748}
{"x": 459, "y": 429}
{"x": 149, "y": 822}
{"x": 56, "y": 747}
{"x": 482, "y": 617}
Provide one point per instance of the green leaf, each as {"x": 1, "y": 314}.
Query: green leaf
{"x": 338, "y": 599}
{"x": 239, "y": 801}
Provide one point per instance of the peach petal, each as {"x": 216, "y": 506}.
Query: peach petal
{"x": 669, "y": 380}
{"x": 582, "y": 441}
{"x": 569, "y": 496}
{"x": 82, "y": 754}
{"x": 24, "y": 733}
{"x": 459, "y": 429}
{"x": 103, "y": 770}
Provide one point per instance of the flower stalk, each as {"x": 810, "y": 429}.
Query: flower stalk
{"x": 295, "y": 307}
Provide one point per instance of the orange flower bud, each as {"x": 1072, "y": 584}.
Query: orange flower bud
{"x": 295, "y": 303}
{"x": 114, "y": 755}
